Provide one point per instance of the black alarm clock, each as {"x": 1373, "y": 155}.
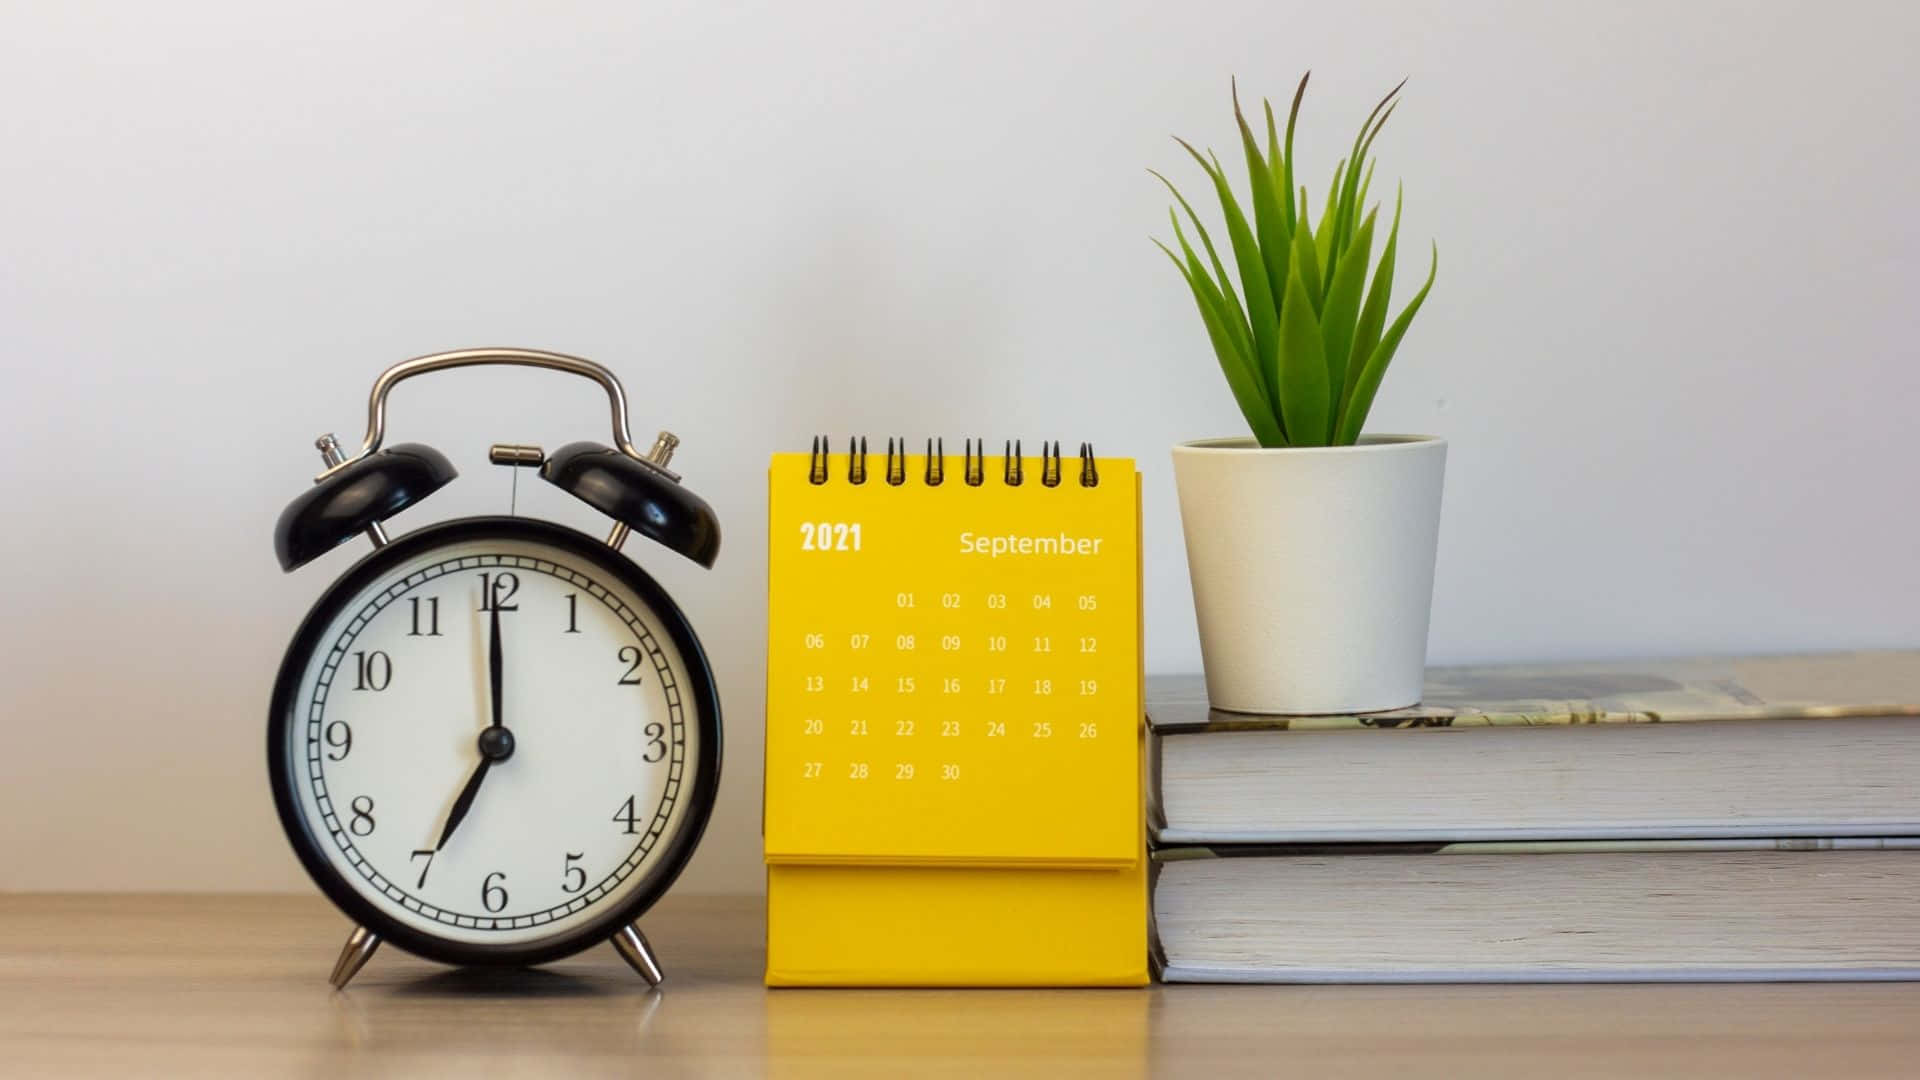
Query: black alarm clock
{"x": 494, "y": 740}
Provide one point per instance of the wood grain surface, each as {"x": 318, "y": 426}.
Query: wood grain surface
{"x": 129, "y": 985}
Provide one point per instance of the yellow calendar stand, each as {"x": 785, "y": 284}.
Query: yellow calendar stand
{"x": 954, "y": 720}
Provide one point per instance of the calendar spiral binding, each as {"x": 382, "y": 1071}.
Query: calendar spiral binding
{"x": 973, "y": 470}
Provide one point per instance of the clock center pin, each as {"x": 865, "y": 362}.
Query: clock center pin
{"x": 496, "y": 744}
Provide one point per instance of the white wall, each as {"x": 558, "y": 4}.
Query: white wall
{"x": 1671, "y": 341}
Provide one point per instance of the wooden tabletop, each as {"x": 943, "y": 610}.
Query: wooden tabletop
{"x": 235, "y": 985}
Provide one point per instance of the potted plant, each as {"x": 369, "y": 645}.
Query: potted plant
{"x": 1311, "y": 546}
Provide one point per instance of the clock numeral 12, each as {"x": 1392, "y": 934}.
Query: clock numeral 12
{"x": 496, "y": 590}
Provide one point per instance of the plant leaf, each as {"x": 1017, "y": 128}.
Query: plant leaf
{"x": 1234, "y": 363}
{"x": 1373, "y": 314}
{"x": 1304, "y": 393}
{"x": 1230, "y": 313}
{"x": 1323, "y": 241}
{"x": 1208, "y": 295}
{"x": 1268, "y": 217}
{"x": 1277, "y": 168}
{"x": 1285, "y": 164}
{"x": 1262, "y": 312}
{"x": 1362, "y": 143}
{"x": 1353, "y": 173}
{"x": 1274, "y": 164}
{"x": 1337, "y": 315}
{"x": 1376, "y": 368}
{"x": 1225, "y": 308}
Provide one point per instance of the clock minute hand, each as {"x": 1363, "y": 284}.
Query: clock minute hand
{"x": 494, "y": 665}
{"x": 496, "y": 742}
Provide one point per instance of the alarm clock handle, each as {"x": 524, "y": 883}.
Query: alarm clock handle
{"x": 536, "y": 358}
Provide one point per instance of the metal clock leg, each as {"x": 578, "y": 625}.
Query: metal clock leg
{"x": 633, "y": 948}
{"x": 359, "y": 948}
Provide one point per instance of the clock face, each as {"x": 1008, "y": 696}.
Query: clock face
{"x": 495, "y": 738}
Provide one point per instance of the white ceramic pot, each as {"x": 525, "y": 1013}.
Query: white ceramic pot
{"x": 1312, "y": 570}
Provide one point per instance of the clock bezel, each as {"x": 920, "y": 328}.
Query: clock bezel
{"x": 700, "y": 792}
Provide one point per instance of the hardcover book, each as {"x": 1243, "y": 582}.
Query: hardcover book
{"x": 1786, "y": 746}
{"x": 1592, "y": 911}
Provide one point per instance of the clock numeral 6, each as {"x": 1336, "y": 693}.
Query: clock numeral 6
{"x": 493, "y": 897}
{"x": 372, "y": 670}
{"x": 497, "y": 589}
{"x": 361, "y": 824}
{"x": 631, "y": 656}
{"x": 575, "y": 878}
{"x": 339, "y": 736}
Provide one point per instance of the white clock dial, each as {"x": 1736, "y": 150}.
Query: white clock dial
{"x": 495, "y": 830}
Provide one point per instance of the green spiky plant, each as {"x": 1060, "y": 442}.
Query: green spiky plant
{"x": 1305, "y": 354}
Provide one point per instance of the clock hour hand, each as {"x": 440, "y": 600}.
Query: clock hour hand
{"x": 464, "y": 802}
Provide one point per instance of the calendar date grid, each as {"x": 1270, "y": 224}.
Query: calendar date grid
{"x": 916, "y": 700}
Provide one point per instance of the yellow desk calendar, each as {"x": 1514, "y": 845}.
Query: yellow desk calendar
{"x": 953, "y": 720}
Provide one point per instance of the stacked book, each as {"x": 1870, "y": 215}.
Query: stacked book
{"x": 1750, "y": 818}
